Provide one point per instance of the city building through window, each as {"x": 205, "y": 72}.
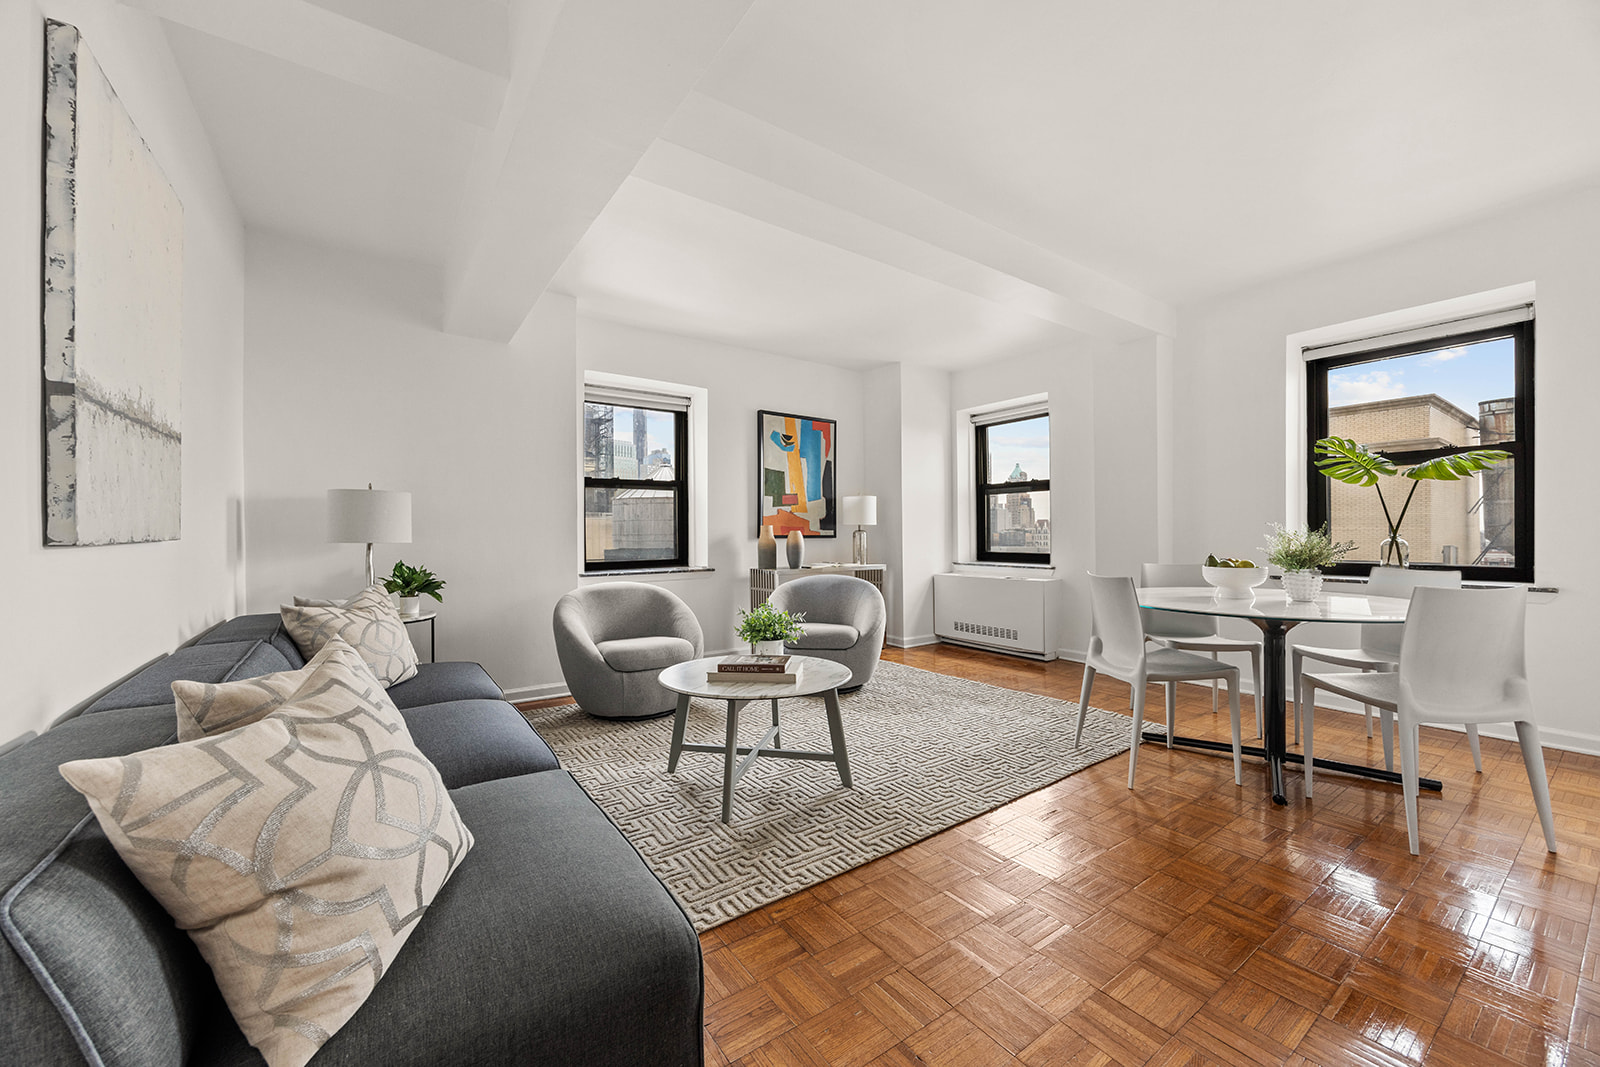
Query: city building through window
{"x": 1013, "y": 505}
{"x": 1413, "y": 401}
{"x": 635, "y": 482}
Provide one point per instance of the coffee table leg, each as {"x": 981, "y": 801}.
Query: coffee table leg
{"x": 678, "y": 723}
{"x": 836, "y": 734}
{"x": 777, "y": 739}
{"x": 730, "y": 757}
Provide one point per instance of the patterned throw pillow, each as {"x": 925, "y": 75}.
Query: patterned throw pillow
{"x": 368, "y": 622}
{"x": 299, "y": 851}
{"x": 206, "y": 708}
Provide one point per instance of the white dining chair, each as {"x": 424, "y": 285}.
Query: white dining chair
{"x": 1195, "y": 633}
{"x": 1379, "y": 648}
{"x": 1462, "y": 661}
{"x": 1117, "y": 647}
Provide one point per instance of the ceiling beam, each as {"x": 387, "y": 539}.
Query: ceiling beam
{"x": 725, "y": 156}
{"x": 591, "y": 90}
{"x": 311, "y": 36}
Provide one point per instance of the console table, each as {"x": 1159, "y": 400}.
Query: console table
{"x": 763, "y": 582}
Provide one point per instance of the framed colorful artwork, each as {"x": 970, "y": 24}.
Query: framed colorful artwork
{"x": 797, "y": 475}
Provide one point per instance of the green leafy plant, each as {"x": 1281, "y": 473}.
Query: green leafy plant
{"x": 1345, "y": 461}
{"x": 767, "y": 623}
{"x": 407, "y": 580}
{"x": 1304, "y": 549}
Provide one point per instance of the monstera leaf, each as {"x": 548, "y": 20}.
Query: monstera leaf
{"x": 1454, "y": 468}
{"x": 1351, "y": 463}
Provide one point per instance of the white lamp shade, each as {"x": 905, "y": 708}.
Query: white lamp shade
{"x": 859, "y": 511}
{"x": 369, "y": 516}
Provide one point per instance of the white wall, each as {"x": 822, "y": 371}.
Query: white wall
{"x": 1232, "y": 415}
{"x": 925, "y": 485}
{"x": 82, "y": 617}
{"x": 883, "y": 479}
{"x": 349, "y": 380}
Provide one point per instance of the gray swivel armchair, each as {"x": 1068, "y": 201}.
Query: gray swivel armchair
{"x": 845, "y": 618}
{"x": 614, "y": 640}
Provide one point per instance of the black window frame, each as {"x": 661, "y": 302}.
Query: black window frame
{"x": 1319, "y": 487}
{"x": 679, "y": 485}
{"x": 984, "y": 553}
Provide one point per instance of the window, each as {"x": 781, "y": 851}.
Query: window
{"x": 1417, "y": 398}
{"x": 1012, "y": 452}
{"x": 635, "y": 480}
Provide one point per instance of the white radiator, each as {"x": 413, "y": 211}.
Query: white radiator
{"x": 1017, "y": 615}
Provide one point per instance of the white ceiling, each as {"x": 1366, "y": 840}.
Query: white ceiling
{"x": 866, "y": 180}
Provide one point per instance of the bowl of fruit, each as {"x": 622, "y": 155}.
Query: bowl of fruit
{"x": 1234, "y": 579}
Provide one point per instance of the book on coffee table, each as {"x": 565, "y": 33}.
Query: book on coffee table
{"x": 756, "y": 670}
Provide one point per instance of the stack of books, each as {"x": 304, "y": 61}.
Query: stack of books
{"x": 764, "y": 670}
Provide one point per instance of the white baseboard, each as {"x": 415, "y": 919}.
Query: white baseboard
{"x": 914, "y": 641}
{"x": 548, "y": 691}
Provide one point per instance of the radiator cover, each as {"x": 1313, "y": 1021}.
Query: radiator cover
{"x": 1016, "y": 615}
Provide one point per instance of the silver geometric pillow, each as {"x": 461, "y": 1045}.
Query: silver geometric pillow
{"x": 367, "y": 622}
{"x": 206, "y": 708}
{"x": 299, "y": 851}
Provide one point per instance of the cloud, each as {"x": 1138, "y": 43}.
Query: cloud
{"x": 1363, "y": 388}
{"x": 1444, "y": 355}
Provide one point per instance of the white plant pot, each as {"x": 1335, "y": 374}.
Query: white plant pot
{"x": 766, "y": 648}
{"x": 410, "y": 605}
{"x": 1302, "y": 585}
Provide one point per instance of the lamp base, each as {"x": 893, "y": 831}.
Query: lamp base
{"x": 858, "y": 546}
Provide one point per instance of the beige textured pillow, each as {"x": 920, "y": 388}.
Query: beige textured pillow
{"x": 206, "y": 708}
{"x": 368, "y": 622}
{"x": 299, "y": 851}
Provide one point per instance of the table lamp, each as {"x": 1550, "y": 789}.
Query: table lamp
{"x": 369, "y": 515}
{"x": 859, "y": 511}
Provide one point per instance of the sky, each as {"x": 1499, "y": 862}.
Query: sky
{"x": 1463, "y": 376}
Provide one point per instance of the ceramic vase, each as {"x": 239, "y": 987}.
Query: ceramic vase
{"x": 766, "y": 549}
{"x": 410, "y": 606}
{"x": 796, "y": 545}
{"x": 1302, "y": 585}
{"x": 766, "y": 648}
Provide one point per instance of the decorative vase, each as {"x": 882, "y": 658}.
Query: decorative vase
{"x": 766, "y": 648}
{"x": 1394, "y": 552}
{"x": 410, "y": 606}
{"x": 766, "y": 549}
{"x": 1302, "y": 585}
{"x": 796, "y": 545}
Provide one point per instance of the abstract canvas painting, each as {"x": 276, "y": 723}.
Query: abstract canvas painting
{"x": 113, "y": 315}
{"x": 795, "y": 455}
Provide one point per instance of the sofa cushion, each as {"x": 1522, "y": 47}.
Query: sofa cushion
{"x": 552, "y": 944}
{"x": 368, "y": 622}
{"x": 436, "y": 682}
{"x": 645, "y": 653}
{"x": 199, "y": 663}
{"x": 834, "y": 636}
{"x": 264, "y": 627}
{"x": 472, "y": 741}
{"x": 298, "y": 851}
{"x": 95, "y": 970}
{"x": 208, "y": 708}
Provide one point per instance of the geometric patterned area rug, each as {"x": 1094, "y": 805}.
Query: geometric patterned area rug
{"x": 927, "y": 751}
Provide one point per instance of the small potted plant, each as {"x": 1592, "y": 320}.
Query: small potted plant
{"x": 766, "y": 628}
{"x": 411, "y": 584}
{"x": 1301, "y": 554}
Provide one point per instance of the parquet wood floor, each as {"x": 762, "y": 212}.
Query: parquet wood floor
{"x": 1190, "y": 921}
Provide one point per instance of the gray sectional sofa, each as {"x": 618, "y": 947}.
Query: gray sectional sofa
{"x": 552, "y": 944}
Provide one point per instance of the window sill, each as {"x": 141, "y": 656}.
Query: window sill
{"x": 1007, "y": 566}
{"x": 654, "y": 571}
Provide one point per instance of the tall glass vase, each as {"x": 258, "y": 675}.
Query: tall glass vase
{"x": 1394, "y": 552}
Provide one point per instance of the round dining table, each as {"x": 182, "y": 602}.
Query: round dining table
{"x": 1275, "y": 614}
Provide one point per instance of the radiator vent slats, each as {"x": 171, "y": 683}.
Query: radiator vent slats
{"x": 979, "y": 629}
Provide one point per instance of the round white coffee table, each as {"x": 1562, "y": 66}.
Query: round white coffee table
{"x": 817, "y": 677}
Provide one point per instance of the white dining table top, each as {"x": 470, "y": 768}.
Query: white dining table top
{"x": 1273, "y": 604}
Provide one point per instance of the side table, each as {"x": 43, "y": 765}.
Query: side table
{"x": 427, "y": 618}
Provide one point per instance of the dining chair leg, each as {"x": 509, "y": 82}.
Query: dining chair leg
{"x": 1477, "y": 753}
{"x": 1138, "y": 730}
{"x": 1366, "y": 713}
{"x": 1305, "y": 703}
{"x": 1233, "y": 713}
{"x": 1408, "y": 781}
{"x": 1214, "y": 683}
{"x": 1533, "y": 759}
{"x": 1255, "y": 672}
{"x": 1386, "y": 727}
{"x": 1172, "y": 711}
{"x": 1083, "y": 702}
